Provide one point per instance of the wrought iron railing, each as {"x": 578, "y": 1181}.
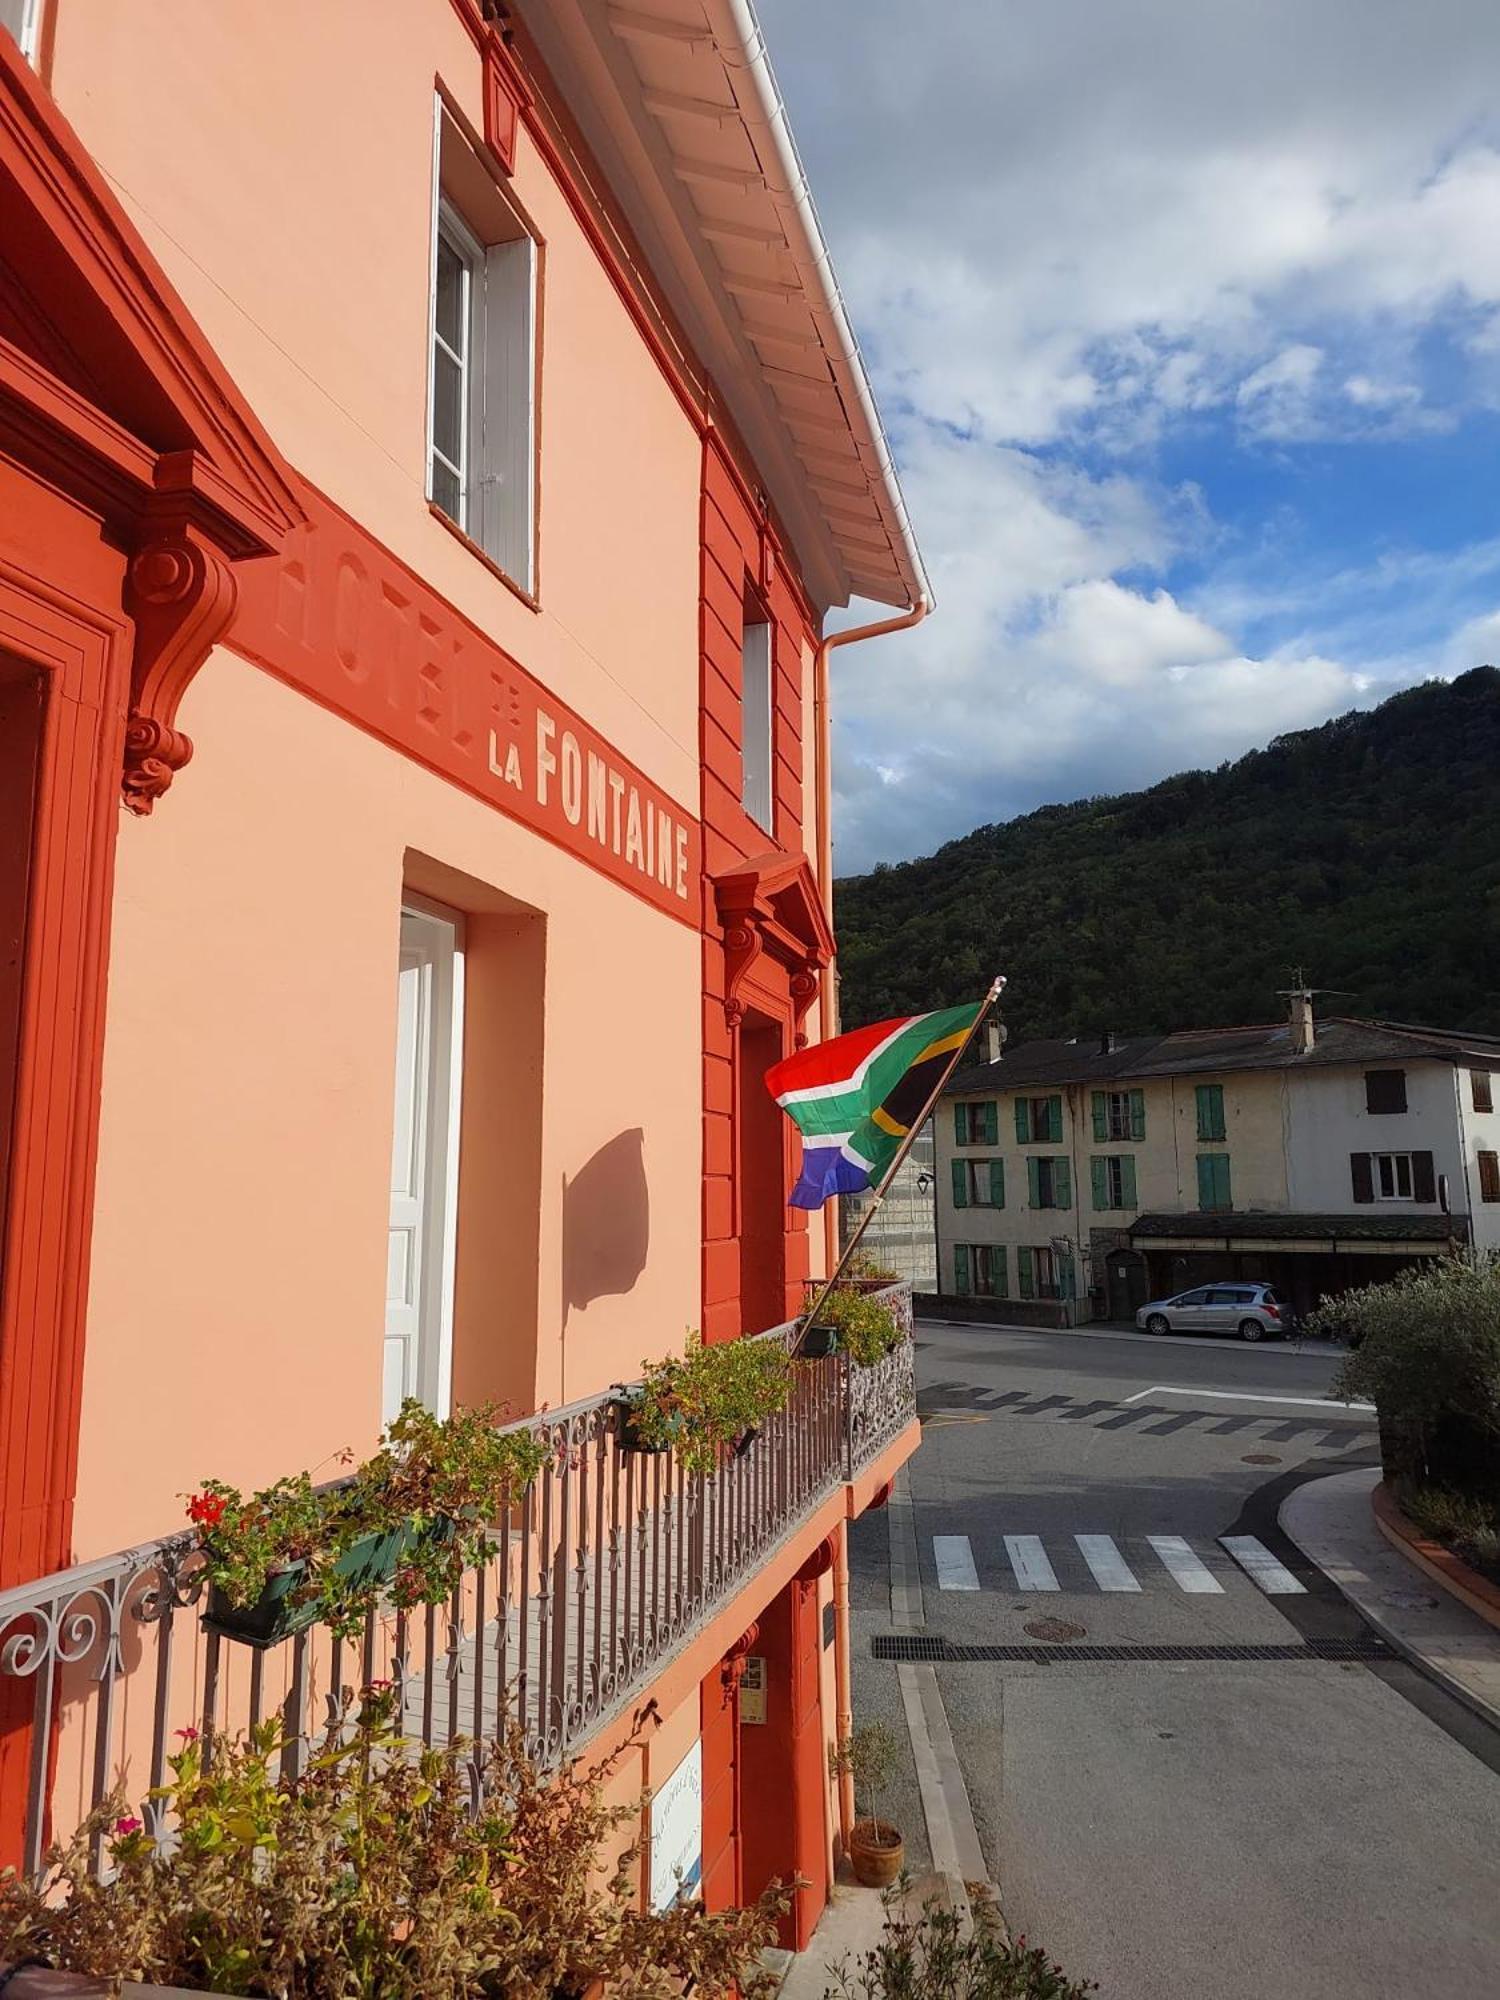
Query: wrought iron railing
{"x": 612, "y": 1562}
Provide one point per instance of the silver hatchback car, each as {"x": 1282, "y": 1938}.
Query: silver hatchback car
{"x": 1251, "y": 1311}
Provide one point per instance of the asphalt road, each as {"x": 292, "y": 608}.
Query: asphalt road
{"x": 1207, "y": 1828}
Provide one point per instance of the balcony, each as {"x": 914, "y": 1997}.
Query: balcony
{"x": 610, "y": 1568}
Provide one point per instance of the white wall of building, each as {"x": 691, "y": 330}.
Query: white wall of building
{"x": 1327, "y": 1122}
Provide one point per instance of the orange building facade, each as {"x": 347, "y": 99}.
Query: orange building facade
{"x": 429, "y": 449}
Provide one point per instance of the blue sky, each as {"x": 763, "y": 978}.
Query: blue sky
{"x": 1185, "y": 321}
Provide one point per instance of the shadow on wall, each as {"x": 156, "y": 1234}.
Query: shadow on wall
{"x": 606, "y": 1223}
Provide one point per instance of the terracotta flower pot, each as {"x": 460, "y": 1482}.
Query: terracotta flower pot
{"x": 877, "y": 1851}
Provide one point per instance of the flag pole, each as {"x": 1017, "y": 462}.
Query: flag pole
{"x": 997, "y": 986}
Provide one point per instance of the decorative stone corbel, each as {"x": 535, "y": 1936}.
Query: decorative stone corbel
{"x": 743, "y": 944}
{"x": 803, "y": 987}
{"x": 180, "y": 591}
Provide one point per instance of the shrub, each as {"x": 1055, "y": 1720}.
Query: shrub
{"x": 935, "y": 1956}
{"x": 443, "y": 1480}
{"x": 1428, "y": 1355}
{"x": 867, "y": 1328}
{"x": 867, "y": 1267}
{"x": 710, "y": 1397}
{"x": 1468, "y": 1525}
{"x": 371, "y": 1878}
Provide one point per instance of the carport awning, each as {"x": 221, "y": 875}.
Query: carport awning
{"x": 1303, "y": 1235}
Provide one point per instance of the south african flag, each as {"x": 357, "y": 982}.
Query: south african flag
{"x": 854, "y": 1099}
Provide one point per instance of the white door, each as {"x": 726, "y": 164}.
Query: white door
{"x": 424, "y": 1162}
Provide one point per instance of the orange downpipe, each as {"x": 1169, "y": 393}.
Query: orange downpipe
{"x": 822, "y": 740}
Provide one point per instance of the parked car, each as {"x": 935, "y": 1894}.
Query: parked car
{"x": 1251, "y": 1311}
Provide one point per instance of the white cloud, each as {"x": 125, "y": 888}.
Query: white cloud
{"x": 1072, "y": 235}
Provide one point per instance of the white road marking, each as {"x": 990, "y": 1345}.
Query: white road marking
{"x": 955, "y": 1563}
{"x": 1187, "y": 1572}
{"x": 1110, "y": 1569}
{"x": 1262, "y": 1568}
{"x": 1029, "y": 1561}
{"x": 1235, "y": 1396}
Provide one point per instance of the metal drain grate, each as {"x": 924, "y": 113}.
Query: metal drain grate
{"x": 910, "y": 1648}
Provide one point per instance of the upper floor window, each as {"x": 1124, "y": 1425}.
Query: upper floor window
{"x": 1051, "y": 1183}
{"x": 482, "y": 361}
{"x": 756, "y": 738}
{"x": 1210, "y": 1105}
{"x": 1213, "y": 1182}
{"x": 1119, "y": 1114}
{"x": 1482, "y": 1090}
{"x": 1393, "y": 1177}
{"x": 23, "y": 18}
{"x": 1489, "y": 1176}
{"x": 976, "y": 1124}
{"x": 1039, "y": 1119}
{"x": 979, "y": 1183}
{"x": 1385, "y": 1090}
{"x": 1113, "y": 1177}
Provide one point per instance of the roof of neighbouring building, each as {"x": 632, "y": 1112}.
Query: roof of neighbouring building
{"x": 1211, "y": 1051}
{"x": 1257, "y": 1226}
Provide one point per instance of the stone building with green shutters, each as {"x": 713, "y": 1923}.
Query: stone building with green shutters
{"x": 1078, "y": 1178}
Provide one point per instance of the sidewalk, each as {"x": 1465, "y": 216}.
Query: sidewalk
{"x": 849, "y": 1927}
{"x": 1331, "y": 1521}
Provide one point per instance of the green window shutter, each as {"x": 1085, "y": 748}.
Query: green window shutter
{"x": 1127, "y": 1181}
{"x": 1204, "y": 1121}
{"x": 961, "y": 1268}
{"x": 997, "y": 1183}
{"x": 1034, "y": 1181}
{"x": 1101, "y": 1116}
{"x": 1137, "y": 1114}
{"x": 960, "y": 1183}
{"x": 1213, "y": 1181}
{"x": 998, "y": 1267}
{"x": 1062, "y": 1184}
{"x": 1210, "y": 1110}
{"x": 1099, "y": 1175}
{"x": 992, "y": 1123}
{"x": 1054, "y": 1120}
{"x": 1027, "y": 1276}
{"x": 960, "y": 1124}
{"x": 1023, "y": 1120}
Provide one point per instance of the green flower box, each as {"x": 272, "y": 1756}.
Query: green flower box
{"x": 365, "y": 1565}
{"x": 816, "y": 1343}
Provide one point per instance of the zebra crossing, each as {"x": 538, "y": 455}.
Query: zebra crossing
{"x": 1162, "y": 1561}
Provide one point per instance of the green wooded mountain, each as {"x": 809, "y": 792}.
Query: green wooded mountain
{"x": 1366, "y": 851}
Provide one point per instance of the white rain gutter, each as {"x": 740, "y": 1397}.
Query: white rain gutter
{"x": 766, "y": 119}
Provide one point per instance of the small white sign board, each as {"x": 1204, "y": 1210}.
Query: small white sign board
{"x": 677, "y": 1833}
{"x": 753, "y": 1690}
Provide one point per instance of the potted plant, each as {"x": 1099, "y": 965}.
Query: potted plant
{"x": 707, "y": 1399}
{"x": 408, "y": 1522}
{"x": 876, "y": 1848}
{"x": 852, "y": 1322}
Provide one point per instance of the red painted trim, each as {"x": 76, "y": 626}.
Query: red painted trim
{"x": 505, "y": 99}
{"x": 342, "y": 619}
{"x": 164, "y": 380}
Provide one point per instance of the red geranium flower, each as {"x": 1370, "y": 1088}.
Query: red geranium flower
{"x": 207, "y": 1509}
{"x": 127, "y": 1826}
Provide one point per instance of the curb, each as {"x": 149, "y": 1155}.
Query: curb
{"x": 1475, "y": 1592}
{"x": 1414, "y": 1657}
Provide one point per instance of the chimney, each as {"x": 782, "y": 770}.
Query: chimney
{"x": 1304, "y": 1031}
{"x": 994, "y": 1040}
{"x": 1107, "y": 1042}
